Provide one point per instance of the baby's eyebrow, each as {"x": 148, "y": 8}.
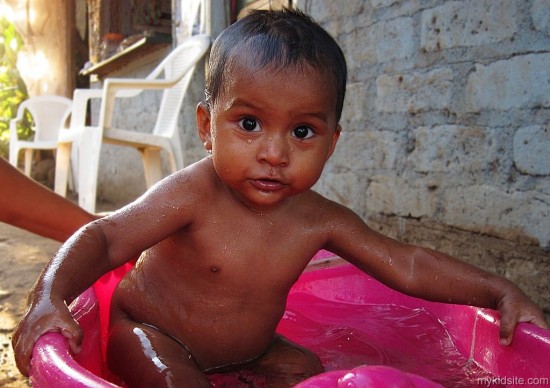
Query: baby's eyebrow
{"x": 321, "y": 115}
{"x": 240, "y": 103}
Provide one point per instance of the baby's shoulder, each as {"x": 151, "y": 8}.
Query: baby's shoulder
{"x": 186, "y": 187}
{"x": 199, "y": 176}
{"x": 312, "y": 204}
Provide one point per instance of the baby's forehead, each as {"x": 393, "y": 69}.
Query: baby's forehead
{"x": 242, "y": 65}
{"x": 303, "y": 88}
{"x": 246, "y": 65}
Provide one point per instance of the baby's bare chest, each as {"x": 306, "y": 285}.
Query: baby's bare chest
{"x": 232, "y": 242}
{"x": 188, "y": 280}
{"x": 239, "y": 260}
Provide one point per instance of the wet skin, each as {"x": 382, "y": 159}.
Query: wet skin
{"x": 227, "y": 237}
{"x": 217, "y": 287}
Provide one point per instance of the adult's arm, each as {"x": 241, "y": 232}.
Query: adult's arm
{"x": 27, "y": 204}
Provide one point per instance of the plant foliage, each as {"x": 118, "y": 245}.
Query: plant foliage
{"x": 13, "y": 90}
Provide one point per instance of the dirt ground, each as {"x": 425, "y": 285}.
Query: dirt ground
{"x": 22, "y": 257}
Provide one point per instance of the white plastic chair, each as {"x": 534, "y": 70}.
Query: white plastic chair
{"x": 50, "y": 114}
{"x": 172, "y": 75}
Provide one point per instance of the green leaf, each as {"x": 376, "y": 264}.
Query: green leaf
{"x": 13, "y": 90}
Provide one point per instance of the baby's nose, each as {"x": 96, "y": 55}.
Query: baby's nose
{"x": 274, "y": 151}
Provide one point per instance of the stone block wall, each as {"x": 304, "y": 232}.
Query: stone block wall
{"x": 446, "y": 127}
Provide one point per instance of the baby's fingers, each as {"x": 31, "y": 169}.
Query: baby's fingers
{"x": 508, "y": 323}
{"x": 74, "y": 337}
{"x": 69, "y": 328}
{"x": 28, "y": 331}
{"x": 510, "y": 317}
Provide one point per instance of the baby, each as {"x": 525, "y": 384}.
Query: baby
{"x": 225, "y": 238}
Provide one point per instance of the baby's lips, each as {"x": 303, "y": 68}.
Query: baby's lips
{"x": 268, "y": 185}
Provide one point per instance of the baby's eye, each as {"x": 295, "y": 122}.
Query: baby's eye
{"x": 303, "y": 132}
{"x": 249, "y": 125}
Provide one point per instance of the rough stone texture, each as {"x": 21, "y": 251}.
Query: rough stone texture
{"x": 468, "y": 23}
{"x": 532, "y": 150}
{"x": 414, "y": 92}
{"x": 447, "y": 101}
{"x": 539, "y": 14}
{"x": 449, "y": 149}
{"x": 518, "y": 82}
{"x": 446, "y": 127}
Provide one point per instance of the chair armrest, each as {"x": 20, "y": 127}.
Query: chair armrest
{"x": 74, "y": 134}
{"x": 81, "y": 97}
{"x": 87, "y": 93}
{"x": 117, "y": 84}
{"x": 127, "y": 87}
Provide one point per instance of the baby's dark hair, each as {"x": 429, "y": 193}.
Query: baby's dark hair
{"x": 278, "y": 39}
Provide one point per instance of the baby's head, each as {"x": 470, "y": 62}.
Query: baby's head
{"x": 277, "y": 40}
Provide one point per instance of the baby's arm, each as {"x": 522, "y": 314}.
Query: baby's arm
{"x": 429, "y": 274}
{"x": 95, "y": 249}
{"x": 78, "y": 263}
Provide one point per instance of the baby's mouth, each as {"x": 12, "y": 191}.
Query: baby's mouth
{"x": 268, "y": 184}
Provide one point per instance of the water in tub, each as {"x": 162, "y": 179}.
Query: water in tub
{"x": 411, "y": 340}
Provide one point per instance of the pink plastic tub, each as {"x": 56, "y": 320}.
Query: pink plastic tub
{"x": 365, "y": 334}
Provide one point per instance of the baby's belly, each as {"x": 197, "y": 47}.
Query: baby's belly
{"x": 244, "y": 339}
{"x": 218, "y": 330}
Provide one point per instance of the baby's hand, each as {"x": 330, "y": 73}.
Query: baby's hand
{"x": 516, "y": 307}
{"x": 44, "y": 317}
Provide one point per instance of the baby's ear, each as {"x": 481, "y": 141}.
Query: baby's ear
{"x": 203, "y": 125}
{"x": 335, "y": 137}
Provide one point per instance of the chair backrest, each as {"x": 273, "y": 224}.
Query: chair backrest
{"x": 193, "y": 13}
{"x": 179, "y": 64}
{"x": 49, "y": 113}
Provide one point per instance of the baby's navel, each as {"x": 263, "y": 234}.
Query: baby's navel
{"x": 214, "y": 269}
